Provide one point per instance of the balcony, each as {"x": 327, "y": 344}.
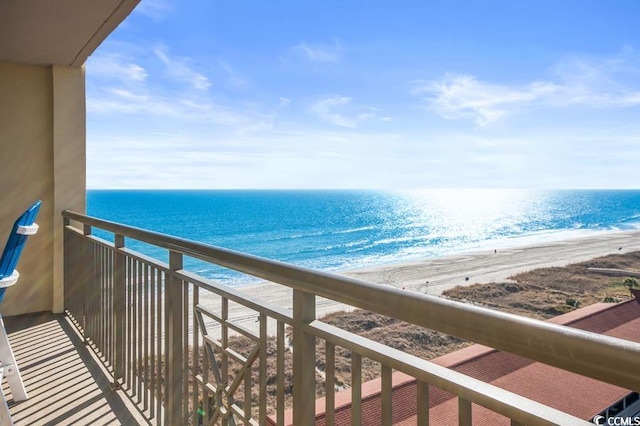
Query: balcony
{"x": 144, "y": 341}
{"x": 65, "y": 382}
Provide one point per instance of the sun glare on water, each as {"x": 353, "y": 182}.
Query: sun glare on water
{"x": 471, "y": 214}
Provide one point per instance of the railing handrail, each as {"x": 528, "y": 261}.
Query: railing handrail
{"x": 609, "y": 359}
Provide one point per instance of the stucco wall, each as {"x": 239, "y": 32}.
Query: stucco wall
{"x": 42, "y": 155}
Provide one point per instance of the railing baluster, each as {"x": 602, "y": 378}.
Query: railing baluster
{"x": 195, "y": 360}
{"x": 356, "y": 389}
{"x": 133, "y": 285}
{"x": 90, "y": 284}
{"x": 280, "y": 373}
{"x": 422, "y": 402}
{"x": 185, "y": 349}
{"x": 387, "y": 396}
{"x": 304, "y": 359}
{"x": 262, "y": 374}
{"x": 464, "y": 412}
{"x": 146, "y": 337}
{"x": 159, "y": 336}
{"x": 110, "y": 320}
{"x": 330, "y": 383}
{"x": 100, "y": 335}
{"x": 174, "y": 342}
{"x": 120, "y": 306}
{"x": 139, "y": 307}
{"x": 130, "y": 321}
{"x": 86, "y": 283}
{"x": 247, "y": 395}
{"x": 70, "y": 282}
{"x": 101, "y": 276}
{"x": 108, "y": 308}
{"x": 87, "y": 255}
{"x": 152, "y": 379}
{"x": 224, "y": 340}
{"x": 205, "y": 376}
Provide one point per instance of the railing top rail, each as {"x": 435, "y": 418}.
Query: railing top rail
{"x": 605, "y": 358}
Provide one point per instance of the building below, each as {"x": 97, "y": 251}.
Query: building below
{"x": 572, "y": 393}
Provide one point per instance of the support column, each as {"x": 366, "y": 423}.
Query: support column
{"x": 69, "y": 161}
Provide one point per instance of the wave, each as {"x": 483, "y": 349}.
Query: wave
{"x": 633, "y": 218}
{"x": 301, "y": 235}
{"x": 352, "y": 230}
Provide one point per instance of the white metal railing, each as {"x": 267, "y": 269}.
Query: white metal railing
{"x": 148, "y": 320}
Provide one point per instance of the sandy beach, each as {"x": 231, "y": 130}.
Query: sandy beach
{"x": 443, "y": 273}
{"x": 488, "y": 266}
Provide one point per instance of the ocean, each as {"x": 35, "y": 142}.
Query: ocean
{"x": 338, "y": 230}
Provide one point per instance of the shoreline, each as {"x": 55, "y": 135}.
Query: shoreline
{"x": 485, "y": 266}
{"x": 443, "y": 273}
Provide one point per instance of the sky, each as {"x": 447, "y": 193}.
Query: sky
{"x": 367, "y": 94}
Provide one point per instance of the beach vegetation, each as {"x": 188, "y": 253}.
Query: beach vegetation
{"x": 620, "y": 289}
{"x": 572, "y": 302}
{"x": 559, "y": 310}
{"x": 547, "y": 292}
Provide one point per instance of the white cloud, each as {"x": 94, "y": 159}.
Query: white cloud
{"x": 325, "y": 109}
{"x": 117, "y": 85}
{"x": 609, "y": 82}
{"x": 232, "y": 77}
{"x": 318, "y": 52}
{"x": 114, "y": 66}
{"x": 462, "y": 96}
{"x": 179, "y": 68}
{"x": 594, "y": 84}
{"x": 284, "y": 102}
{"x": 187, "y": 157}
{"x": 120, "y": 101}
{"x": 340, "y": 111}
{"x": 155, "y": 9}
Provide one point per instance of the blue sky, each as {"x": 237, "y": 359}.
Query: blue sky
{"x": 367, "y": 94}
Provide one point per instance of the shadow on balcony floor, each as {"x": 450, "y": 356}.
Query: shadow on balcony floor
{"x": 64, "y": 382}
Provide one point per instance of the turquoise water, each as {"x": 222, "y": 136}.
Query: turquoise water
{"x": 341, "y": 230}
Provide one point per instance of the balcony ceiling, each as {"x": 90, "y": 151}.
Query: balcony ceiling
{"x": 60, "y": 32}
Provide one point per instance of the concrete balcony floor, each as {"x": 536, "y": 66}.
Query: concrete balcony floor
{"x": 65, "y": 383}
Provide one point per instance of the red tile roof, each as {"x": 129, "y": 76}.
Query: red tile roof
{"x": 569, "y": 392}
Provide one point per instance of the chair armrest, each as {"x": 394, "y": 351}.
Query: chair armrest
{"x": 28, "y": 229}
{"x": 10, "y": 280}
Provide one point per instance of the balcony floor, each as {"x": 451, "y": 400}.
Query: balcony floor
{"x": 64, "y": 382}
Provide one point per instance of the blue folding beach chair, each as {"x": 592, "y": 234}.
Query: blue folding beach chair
{"x": 22, "y": 228}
